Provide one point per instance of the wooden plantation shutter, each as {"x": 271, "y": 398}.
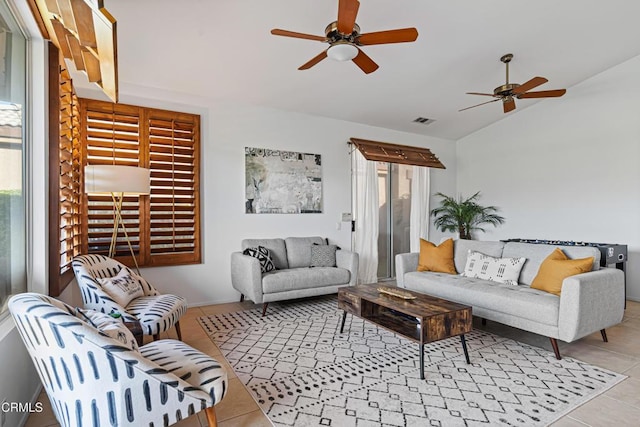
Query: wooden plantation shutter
{"x": 65, "y": 188}
{"x": 163, "y": 227}
{"x": 174, "y": 202}
{"x": 111, "y": 135}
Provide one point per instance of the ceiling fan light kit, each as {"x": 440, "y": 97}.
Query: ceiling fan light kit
{"x": 344, "y": 38}
{"x": 342, "y": 51}
{"x": 508, "y": 91}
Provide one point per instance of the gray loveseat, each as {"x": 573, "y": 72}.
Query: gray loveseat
{"x": 293, "y": 277}
{"x": 589, "y": 302}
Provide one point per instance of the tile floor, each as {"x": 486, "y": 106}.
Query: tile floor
{"x": 619, "y": 406}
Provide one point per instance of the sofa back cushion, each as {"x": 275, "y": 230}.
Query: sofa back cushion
{"x": 275, "y": 246}
{"x": 461, "y": 249}
{"x": 535, "y": 254}
{"x": 299, "y": 250}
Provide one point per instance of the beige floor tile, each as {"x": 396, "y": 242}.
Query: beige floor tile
{"x": 224, "y": 308}
{"x": 192, "y": 421}
{"x": 605, "y": 411}
{"x": 634, "y": 371}
{"x": 568, "y": 422}
{"x": 237, "y": 402}
{"x": 252, "y": 419}
{"x": 44, "y": 418}
{"x": 205, "y": 345}
{"x": 628, "y": 391}
{"x": 622, "y": 339}
{"x": 599, "y": 356}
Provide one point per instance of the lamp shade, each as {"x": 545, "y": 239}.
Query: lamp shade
{"x": 342, "y": 51}
{"x": 106, "y": 179}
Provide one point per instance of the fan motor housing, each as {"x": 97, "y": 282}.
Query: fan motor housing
{"x": 333, "y": 35}
{"x": 505, "y": 90}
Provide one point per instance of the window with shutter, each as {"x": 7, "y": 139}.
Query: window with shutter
{"x": 65, "y": 177}
{"x": 163, "y": 227}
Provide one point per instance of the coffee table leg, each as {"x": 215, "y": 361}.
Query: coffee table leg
{"x": 421, "y": 361}
{"x": 464, "y": 347}
{"x": 344, "y": 317}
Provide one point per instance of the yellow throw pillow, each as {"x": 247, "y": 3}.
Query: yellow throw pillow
{"x": 436, "y": 258}
{"x": 557, "y": 267}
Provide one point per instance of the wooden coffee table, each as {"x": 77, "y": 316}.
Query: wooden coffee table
{"x": 423, "y": 319}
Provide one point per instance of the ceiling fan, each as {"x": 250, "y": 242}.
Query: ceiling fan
{"x": 344, "y": 38}
{"x": 509, "y": 91}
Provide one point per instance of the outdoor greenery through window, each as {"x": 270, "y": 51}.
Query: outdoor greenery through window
{"x": 13, "y": 276}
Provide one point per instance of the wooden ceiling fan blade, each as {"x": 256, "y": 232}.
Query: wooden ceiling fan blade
{"x": 544, "y": 94}
{"x": 525, "y": 87}
{"x": 285, "y": 33}
{"x": 474, "y": 106}
{"x": 481, "y": 94}
{"x": 314, "y": 60}
{"x": 402, "y": 35}
{"x": 347, "y": 12}
{"x": 365, "y": 63}
{"x": 508, "y": 104}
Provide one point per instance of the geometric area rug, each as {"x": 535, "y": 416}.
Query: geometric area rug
{"x": 302, "y": 372}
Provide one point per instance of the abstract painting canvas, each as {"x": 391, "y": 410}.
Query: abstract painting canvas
{"x": 284, "y": 182}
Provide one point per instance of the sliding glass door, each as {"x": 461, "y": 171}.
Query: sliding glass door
{"x": 394, "y": 188}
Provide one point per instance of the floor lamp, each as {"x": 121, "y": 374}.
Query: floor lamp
{"x": 117, "y": 181}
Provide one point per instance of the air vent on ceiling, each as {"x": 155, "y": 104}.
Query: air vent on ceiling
{"x": 424, "y": 121}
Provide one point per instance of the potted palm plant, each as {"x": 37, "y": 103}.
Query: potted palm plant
{"x": 464, "y": 215}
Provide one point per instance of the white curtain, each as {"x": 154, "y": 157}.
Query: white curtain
{"x": 366, "y": 216}
{"x": 419, "y": 219}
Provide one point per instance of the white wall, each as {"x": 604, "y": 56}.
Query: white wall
{"x": 226, "y": 130}
{"x": 565, "y": 168}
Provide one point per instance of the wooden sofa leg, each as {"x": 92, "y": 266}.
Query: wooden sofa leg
{"x": 211, "y": 416}
{"x": 178, "y": 331}
{"x": 604, "y": 335}
{"x": 241, "y": 297}
{"x": 264, "y": 308}
{"x": 554, "y": 344}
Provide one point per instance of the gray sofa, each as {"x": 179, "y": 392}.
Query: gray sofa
{"x": 589, "y": 302}
{"x": 293, "y": 278}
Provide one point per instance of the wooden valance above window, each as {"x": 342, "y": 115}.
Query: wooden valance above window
{"x": 394, "y": 153}
{"x": 85, "y": 33}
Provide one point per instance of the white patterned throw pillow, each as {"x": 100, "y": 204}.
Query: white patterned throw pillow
{"x": 108, "y": 326}
{"x": 502, "y": 270}
{"x": 122, "y": 288}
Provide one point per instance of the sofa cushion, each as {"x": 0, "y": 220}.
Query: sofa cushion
{"x": 436, "y": 258}
{"x": 275, "y": 246}
{"x": 299, "y": 250}
{"x": 502, "y": 270}
{"x": 323, "y": 255}
{"x": 557, "y": 267}
{"x": 535, "y": 254}
{"x": 461, "y": 248}
{"x": 304, "y": 278}
{"x": 264, "y": 257}
{"x": 519, "y": 301}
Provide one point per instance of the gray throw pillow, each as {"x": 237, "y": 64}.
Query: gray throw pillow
{"x": 323, "y": 255}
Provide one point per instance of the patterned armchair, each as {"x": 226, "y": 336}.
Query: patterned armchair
{"x": 156, "y": 313}
{"x": 92, "y": 378}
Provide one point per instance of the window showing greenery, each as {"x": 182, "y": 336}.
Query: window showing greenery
{"x": 13, "y": 276}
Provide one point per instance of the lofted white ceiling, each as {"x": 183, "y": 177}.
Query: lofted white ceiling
{"x": 222, "y": 49}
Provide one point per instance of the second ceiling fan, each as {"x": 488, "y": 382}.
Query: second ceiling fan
{"x": 345, "y": 39}
{"x": 508, "y": 91}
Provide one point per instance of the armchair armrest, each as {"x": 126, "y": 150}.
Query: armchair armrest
{"x": 348, "y": 260}
{"x": 405, "y": 263}
{"x": 590, "y": 302}
{"x": 202, "y": 373}
{"x": 246, "y": 276}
